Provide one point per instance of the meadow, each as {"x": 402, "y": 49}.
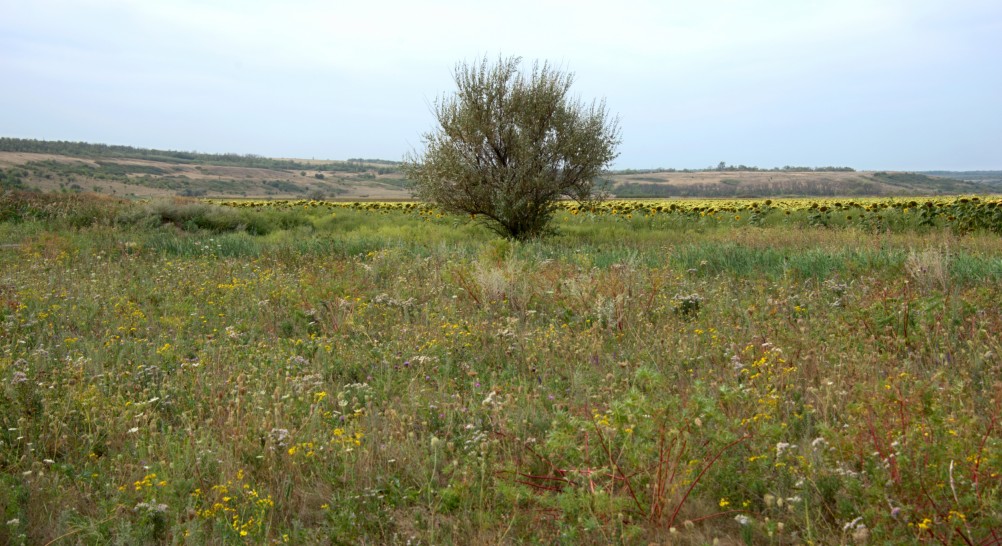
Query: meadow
{"x": 685, "y": 372}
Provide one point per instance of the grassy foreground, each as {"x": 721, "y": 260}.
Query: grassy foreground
{"x": 183, "y": 373}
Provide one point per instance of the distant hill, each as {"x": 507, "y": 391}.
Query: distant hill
{"x": 139, "y": 172}
{"x": 789, "y": 183}
{"x": 981, "y": 177}
{"x": 126, "y": 171}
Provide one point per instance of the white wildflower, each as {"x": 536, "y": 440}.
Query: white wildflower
{"x": 852, "y": 524}
{"x": 783, "y": 446}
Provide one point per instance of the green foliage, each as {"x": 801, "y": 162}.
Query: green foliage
{"x": 508, "y": 145}
{"x": 12, "y": 179}
{"x": 907, "y": 181}
{"x": 103, "y": 170}
{"x": 192, "y": 216}
{"x": 283, "y": 186}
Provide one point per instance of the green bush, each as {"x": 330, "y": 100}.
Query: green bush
{"x": 195, "y": 216}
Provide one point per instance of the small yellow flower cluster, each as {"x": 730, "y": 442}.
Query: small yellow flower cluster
{"x": 767, "y": 376}
{"x": 304, "y": 449}
{"x": 346, "y": 440}
{"x": 236, "y": 502}
{"x": 234, "y": 284}
{"x": 148, "y": 482}
{"x": 602, "y": 419}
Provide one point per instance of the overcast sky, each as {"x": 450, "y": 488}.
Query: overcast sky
{"x": 870, "y": 84}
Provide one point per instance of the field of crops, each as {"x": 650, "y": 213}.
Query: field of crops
{"x": 962, "y": 214}
{"x": 303, "y": 372}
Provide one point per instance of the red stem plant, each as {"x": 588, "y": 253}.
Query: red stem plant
{"x": 667, "y": 496}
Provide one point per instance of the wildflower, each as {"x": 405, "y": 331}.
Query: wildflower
{"x": 781, "y": 447}
{"x": 724, "y": 503}
{"x": 853, "y": 524}
{"x": 861, "y": 535}
{"x": 151, "y": 506}
{"x": 742, "y": 519}
{"x": 736, "y": 363}
{"x": 279, "y": 436}
{"x": 18, "y": 377}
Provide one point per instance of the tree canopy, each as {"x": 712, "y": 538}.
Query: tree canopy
{"x": 509, "y": 144}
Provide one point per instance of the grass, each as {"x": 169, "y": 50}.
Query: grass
{"x": 171, "y": 375}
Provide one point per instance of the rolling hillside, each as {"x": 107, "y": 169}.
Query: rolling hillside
{"x": 788, "y": 183}
{"x": 125, "y": 171}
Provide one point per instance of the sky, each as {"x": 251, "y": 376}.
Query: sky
{"x": 868, "y": 84}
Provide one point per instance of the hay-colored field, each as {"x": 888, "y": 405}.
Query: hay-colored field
{"x": 52, "y": 172}
{"x": 783, "y": 183}
{"x": 380, "y": 180}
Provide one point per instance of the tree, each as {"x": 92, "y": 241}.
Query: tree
{"x": 509, "y": 145}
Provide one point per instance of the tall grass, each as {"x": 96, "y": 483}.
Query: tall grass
{"x": 366, "y": 377}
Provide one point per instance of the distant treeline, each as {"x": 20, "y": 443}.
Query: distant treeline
{"x": 955, "y": 174}
{"x": 879, "y": 183}
{"x": 723, "y": 167}
{"x": 88, "y": 150}
{"x": 974, "y": 176}
{"x": 732, "y": 189}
